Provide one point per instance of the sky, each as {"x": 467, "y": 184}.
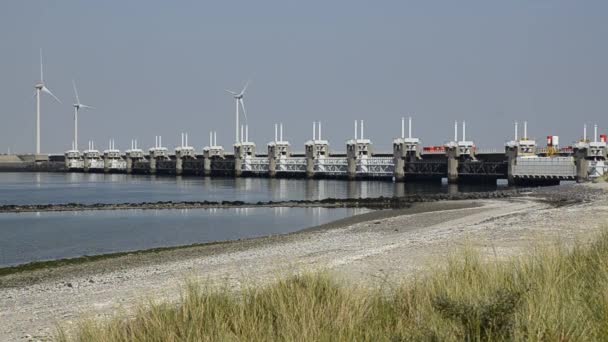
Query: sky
{"x": 161, "y": 68}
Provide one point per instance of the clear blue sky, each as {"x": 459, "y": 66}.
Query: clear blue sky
{"x": 161, "y": 67}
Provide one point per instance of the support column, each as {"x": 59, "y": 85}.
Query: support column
{"x": 210, "y": 152}
{"x": 351, "y": 160}
{"x": 179, "y": 165}
{"x": 129, "y": 164}
{"x": 272, "y": 160}
{"x": 398, "y": 154}
{"x": 86, "y": 164}
{"x": 399, "y": 172}
{"x": 582, "y": 164}
{"x": 152, "y": 164}
{"x": 511, "y": 153}
{"x": 452, "y": 155}
{"x": 106, "y": 164}
{"x": 310, "y": 161}
{"x": 238, "y": 160}
{"x": 207, "y": 166}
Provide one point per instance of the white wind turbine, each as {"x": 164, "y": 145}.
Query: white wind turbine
{"x": 77, "y": 107}
{"x": 238, "y": 98}
{"x": 40, "y": 87}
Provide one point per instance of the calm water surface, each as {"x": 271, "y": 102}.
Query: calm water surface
{"x": 46, "y": 188}
{"x": 28, "y": 237}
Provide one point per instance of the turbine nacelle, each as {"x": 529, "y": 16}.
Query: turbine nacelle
{"x": 79, "y": 105}
{"x": 238, "y": 97}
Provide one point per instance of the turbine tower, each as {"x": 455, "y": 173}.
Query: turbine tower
{"x": 238, "y": 99}
{"x": 40, "y": 87}
{"x": 77, "y": 107}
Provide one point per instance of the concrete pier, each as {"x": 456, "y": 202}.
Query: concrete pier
{"x": 157, "y": 154}
{"x": 111, "y": 157}
{"x": 511, "y": 152}
{"x": 129, "y": 161}
{"x": 272, "y": 160}
{"x": 351, "y": 159}
{"x": 453, "y": 154}
{"x": 90, "y": 157}
{"x": 242, "y": 152}
{"x": 399, "y": 160}
{"x": 315, "y": 151}
{"x": 405, "y": 150}
{"x": 358, "y": 153}
{"x": 213, "y": 151}
{"x": 72, "y": 159}
{"x": 278, "y": 152}
{"x": 181, "y": 154}
{"x": 581, "y": 153}
{"x": 152, "y": 161}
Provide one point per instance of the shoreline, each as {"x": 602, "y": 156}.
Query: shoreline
{"x": 49, "y": 265}
{"x": 382, "y": 208}
{"x": 369, "y": 250}
{"x": 369, "y": 203}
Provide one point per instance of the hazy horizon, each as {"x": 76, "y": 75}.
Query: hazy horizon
{"x": 160, "y": 68}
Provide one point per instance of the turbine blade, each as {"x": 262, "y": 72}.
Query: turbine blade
{"x": 231, "y": 92}
{"x": 75, "y": 92}
{"x": 244, "y": 88}
{"x": 87, "y": 107}
{"x": 41, "y": 73}
{"x": 243, "y": 106}
{"x": 46, "y": 90}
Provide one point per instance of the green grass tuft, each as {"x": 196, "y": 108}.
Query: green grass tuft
{"x": 552, "y": 294}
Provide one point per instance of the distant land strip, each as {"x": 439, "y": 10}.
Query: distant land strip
{"x": 369, "y": 203}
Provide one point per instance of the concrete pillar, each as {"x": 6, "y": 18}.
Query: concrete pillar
{"x": 452, "y": 153}
{"x": 398, "y": 154}
{"x": 272, "y": 160}
{"x": 310, "y": 161}
{"x": 207, "y": 165}
{"x": 351, "y": 159}
{"x": 86, "y": 164}
{"x": 399, "y": 172}
{"x": 238, "y": 160}
{"x": 152, "y": 164}
{"x": 179, "y": 161}
{"x": 511, "y": 153}
{"x": 582, "y": 164}
{"x": 179, "y": 165}
{"x": 129, "y": 164}
{"x": 106, "y": 164}
{"x": 209, "y": 153}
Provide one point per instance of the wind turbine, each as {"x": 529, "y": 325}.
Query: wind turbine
{"x": 40, "y": 87}
{"x": 77, "y": 107}
{"x": 238, "y": 98}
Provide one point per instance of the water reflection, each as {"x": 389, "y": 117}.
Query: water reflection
{"x": 43, "y": 188}
{"x": 29, "y": 237}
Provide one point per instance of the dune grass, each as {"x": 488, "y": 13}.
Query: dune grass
{"x": 552, "y": 294}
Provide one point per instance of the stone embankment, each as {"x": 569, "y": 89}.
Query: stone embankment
{"x": 369, "y": 203}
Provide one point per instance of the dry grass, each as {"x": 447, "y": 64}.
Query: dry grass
{"x": 553, "y": 294}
